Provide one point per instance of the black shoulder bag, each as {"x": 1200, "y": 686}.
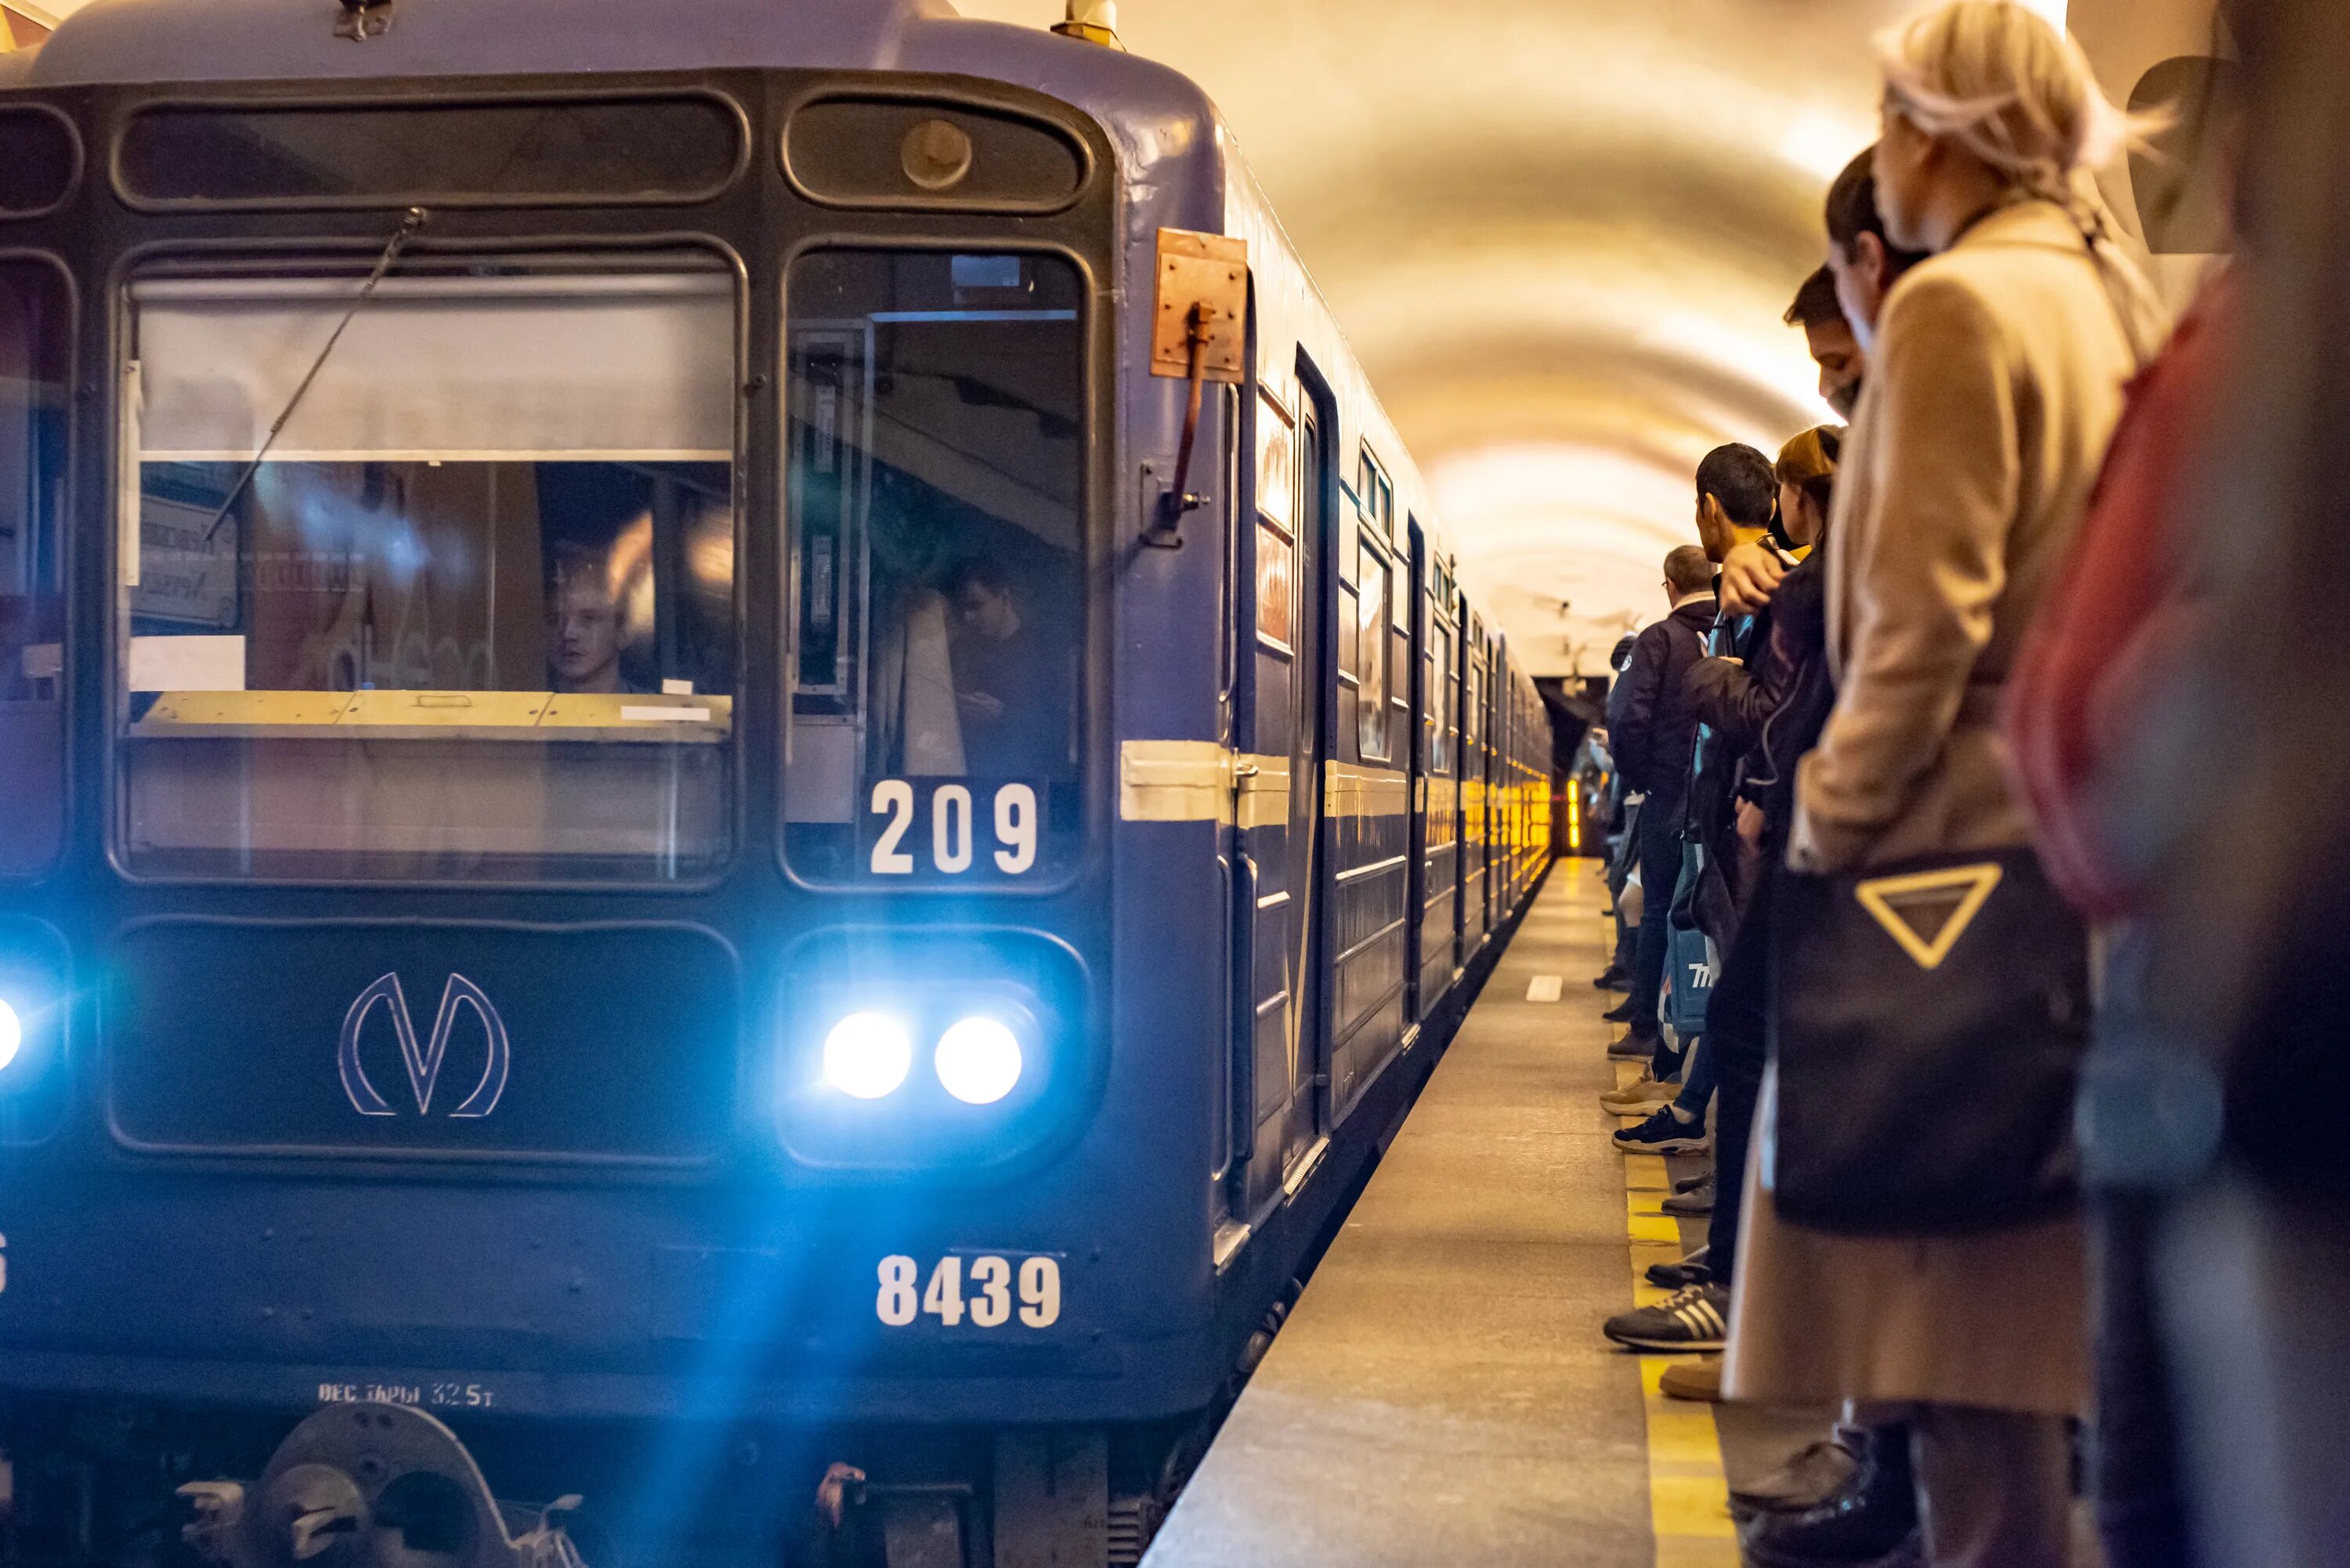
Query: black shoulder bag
{"x": 1929, "y": 1021}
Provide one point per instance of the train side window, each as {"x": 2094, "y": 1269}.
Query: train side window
{"x": 1375, "y": 495}
{"x": 1371, "y": 614}
{"x": 1445, "y": 686}
{"x": 1276, "y": 528}
{"x": 35, "y": 350}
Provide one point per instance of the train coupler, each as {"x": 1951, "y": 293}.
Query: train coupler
{"x": 351, "y": 1476}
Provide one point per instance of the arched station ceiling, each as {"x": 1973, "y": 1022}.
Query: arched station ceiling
{"x": 1561, "y": 235}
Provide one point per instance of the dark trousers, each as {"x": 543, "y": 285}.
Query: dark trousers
{"x": 1660, "y": 870}
{"x": 1737, "y": 1038}
{"x": 2134, "y": 1461}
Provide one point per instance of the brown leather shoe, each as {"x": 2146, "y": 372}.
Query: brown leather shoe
{"x": 1697, "y": 1380}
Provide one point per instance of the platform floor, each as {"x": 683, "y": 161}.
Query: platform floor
{"x": 1442, "y": 1394}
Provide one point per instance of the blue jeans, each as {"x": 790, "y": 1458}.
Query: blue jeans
{"x": 1697, "y": 1084}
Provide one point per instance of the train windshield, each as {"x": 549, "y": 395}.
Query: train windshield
{"x": 470, "y": 617}
{"x": 36, "y": 343}
{"x": 937, "y": 454}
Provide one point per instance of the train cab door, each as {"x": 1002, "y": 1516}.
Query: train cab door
{"x": 1419, "y": 751}
{"x": 1281, "y": 722}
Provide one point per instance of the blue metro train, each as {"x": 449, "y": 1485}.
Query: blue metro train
{"x": 740, "y": 774}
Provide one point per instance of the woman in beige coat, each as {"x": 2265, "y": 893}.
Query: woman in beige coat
{"x": 1995, "y": 379}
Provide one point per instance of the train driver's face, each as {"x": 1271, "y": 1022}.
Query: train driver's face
{"x": 583, "y": 637}
{"x": 987, "y": 611}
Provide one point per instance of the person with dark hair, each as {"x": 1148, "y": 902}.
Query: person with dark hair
{"x": 1012, "y": 691}
{"x": 1623, "y": 848}
{"x": 1863, "y": 265}
{"x": 1655, "y": 735}
{"x": 1835, "y": 350}
{"x": 1737, "y": 499}
{"x": 1864, "y": 262}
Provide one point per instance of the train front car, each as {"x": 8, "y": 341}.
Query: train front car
{"x": 572, "y": 588}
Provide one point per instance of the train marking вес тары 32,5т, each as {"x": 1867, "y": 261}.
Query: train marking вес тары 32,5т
{"x": 739, "y": 763}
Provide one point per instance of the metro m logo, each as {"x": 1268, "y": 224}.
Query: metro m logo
{"x": 424, "y": 1061}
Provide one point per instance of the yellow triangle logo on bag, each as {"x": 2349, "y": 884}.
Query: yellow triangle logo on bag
{"x": 1907, "y": 907}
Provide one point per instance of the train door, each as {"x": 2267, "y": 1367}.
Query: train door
{"x": 1367, "y": 790}
{"x": 1438, "y": 851}
{"x": 1280, "y": 721}
{"x": 1421, "y": 754}
{"x": 1474, "y": 796}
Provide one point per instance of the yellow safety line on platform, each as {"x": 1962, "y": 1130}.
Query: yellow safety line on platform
{"x": 1688, "y": 1499}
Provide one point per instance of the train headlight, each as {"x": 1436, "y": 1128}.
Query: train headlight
{"x": 979, "y": 1060}
{"x": 12, "y": 1033}
{"x": 868, "y": 1055}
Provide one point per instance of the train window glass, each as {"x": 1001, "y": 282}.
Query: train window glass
{"x": 1276, "y": 506}
{"x": 1377, "y": 495}
{"x": 472, "y": 619}
{"x": 38, "y": 160}
{"x": 1371, "y": 644}
{"x": 1448, "y": 682}
{"x": 616, "y": 149}
{"x": 36, "y": 348}
{"x": 936, "y": 487}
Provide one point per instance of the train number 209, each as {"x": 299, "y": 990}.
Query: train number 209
{"x": 953, "y": 829}
{"x": 985, "y": 1291}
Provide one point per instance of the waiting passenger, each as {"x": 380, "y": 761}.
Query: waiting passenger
{"x": 1995, "y": 379}
{"x": 1654, "y": 736}
{"x": 1623, "y": 848}
{"x": 1737, "y": 502}
{"x": 583, "y": 623}
{"x": 1830, "y": 337}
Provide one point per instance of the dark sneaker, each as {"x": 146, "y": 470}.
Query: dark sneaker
{"x": 1665, "y": 1132}
{"x": 1614, "y": 979}
{"x": 1695, "y": 1318}
{"x": 1636, "y": 1047}
{"x": 1692, "y": 1270}
{"x": 1815, "y": 1474}
{"x": 1619, "y": 1013}
{"x": 1689, "y": 1205}
{"x": 1691, "y": 1183}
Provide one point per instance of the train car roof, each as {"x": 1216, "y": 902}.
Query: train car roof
{"x": 141, "y": 41}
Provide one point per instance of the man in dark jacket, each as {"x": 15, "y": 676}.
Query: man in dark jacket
{"x": 1654, "y": 738}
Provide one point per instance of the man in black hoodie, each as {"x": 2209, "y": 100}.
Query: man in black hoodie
{"x": 1654, "y": 738}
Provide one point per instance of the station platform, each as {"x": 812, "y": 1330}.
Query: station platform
{"x": 1442, "y": 1394}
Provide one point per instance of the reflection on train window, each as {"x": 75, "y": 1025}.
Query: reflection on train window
{"x": 1371, "y": 653}
{"x": 36, "y": 344}
{"x": 935, "y": 495}
{"x": 1377, "y": 495}
{"x": 472, "y": 618}
{"x": 1445, "y": 685}
{"x": 1277, "y": 505}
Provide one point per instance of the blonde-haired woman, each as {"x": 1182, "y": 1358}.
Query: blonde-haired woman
{"x": 1995, "y": 383}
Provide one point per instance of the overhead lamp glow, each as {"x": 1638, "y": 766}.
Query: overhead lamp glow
{"x": 12, "y": 1034}
{"x": 868, "y": 1055}
{"x": 978, "y": 1061}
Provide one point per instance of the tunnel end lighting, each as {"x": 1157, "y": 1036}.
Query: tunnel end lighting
{"x": 868, "y": 1055}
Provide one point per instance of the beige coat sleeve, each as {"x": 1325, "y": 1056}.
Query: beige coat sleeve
{"x": 1927, "y": 566}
